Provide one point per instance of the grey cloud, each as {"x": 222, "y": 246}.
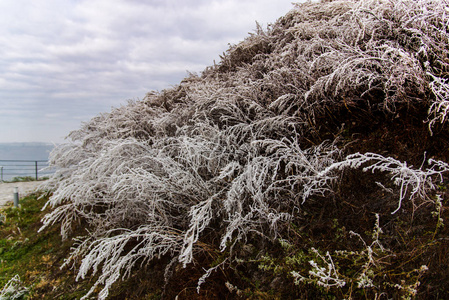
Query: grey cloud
{"x": 66, "y": 61}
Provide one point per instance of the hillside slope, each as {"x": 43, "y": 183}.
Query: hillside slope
{"x": 310, "y": 162}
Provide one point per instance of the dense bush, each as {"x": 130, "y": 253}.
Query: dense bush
{"x": 303, "y": 136}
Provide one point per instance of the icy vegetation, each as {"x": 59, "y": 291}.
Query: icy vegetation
{"x": 13, "y": 289}
{"x": 333, "y": 100}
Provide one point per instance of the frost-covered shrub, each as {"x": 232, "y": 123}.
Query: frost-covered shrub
{"x": 330, "y": 270}
{"x": 13, "y": 289}
{"x": 235, "y": 152}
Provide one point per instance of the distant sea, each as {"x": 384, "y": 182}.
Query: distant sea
{"x": 30, "y": 152}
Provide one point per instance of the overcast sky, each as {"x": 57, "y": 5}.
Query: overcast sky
{"x": 63, "y": 62}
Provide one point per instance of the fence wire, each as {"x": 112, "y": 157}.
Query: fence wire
{"x": 35, "y": 169}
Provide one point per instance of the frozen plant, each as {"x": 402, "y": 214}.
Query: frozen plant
{"x": 414, "y": 183}
{"x": 365, "y": 279}
{"x": 439, "y": 109}
{"x": 207, "y": 274}
{"x": 105, "y": 255}
{"x": 437, "y": 213}
{"x": 326, "y": 276}
{"x": 368, "y": 264}
{"x": 13, "y": 289}
{"x": 302, "y": 169}
{"x": 411, "y": 290}
{"x": 234, "y": 152}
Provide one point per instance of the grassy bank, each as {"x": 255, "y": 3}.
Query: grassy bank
{"x": 34, "y": 257}
{"x": 405, "y": 256}
{"x": 30, "y": 262}
{"x": 25, "y": 179}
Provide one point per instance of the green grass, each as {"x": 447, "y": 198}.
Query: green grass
{"x": 34, "y": 256}
{"x": 37, "y": 258}
{"x": 26, "y": 178}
